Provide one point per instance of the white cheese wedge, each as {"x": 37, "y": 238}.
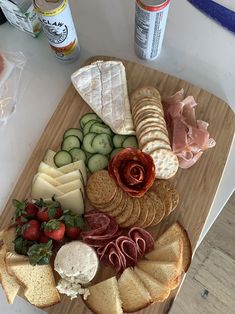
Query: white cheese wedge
{"x": 42, "y": 189}
{"x": 50, "y": 171}
{"x": 103, "y": 86}
{"x": 70, "y": 186}
{"x": 72, "y": 200}
{"x": 47, "y": 178}
{"x": 49, "y": 158}
{"x": 78, "y": 165}
{"x": 69, "y": 177}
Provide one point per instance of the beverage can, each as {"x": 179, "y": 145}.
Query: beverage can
{"x": 150, "y": 24}
{"x": 58, "y": 26}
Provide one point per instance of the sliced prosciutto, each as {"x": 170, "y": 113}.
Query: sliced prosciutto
{"x": 189, "y": 136}
{"x": 133, "y": 171}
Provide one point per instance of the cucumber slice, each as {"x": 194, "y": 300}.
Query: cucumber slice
{"x": 130, "y": 141}
{"x": 87, "y": 143}
{"x": 77, "y": 154}
{"x": 87, "y": 117}
{"x": 118, "y": 140}
{"x": 100, "y": 129}
{"x": 102, "y": 144}
{"x": 74, "y": 131}
{"x": 87, "y": 126}
{"x": 62, "y": 158}
{"x": 70, "y": 142}
{"x": 115, "y": 152}
{"x": 97, "y": 162}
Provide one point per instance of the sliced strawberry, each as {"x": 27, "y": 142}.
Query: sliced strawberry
{"x": 54, "y": 229}
{"x": 31, "y": 230}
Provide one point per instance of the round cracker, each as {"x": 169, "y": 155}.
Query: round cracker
{"x": 158, "y": 206}
{"x": 146, "y": 201}
{"x": 153, "y": 145}
{"x": 127, "y": 211}
{"x": 171, "y": 190}
{"x": 120, "y": 208}
{"x": 146, "y": 104}
{"x": 162, "y": 189}
{"x": 149, "y": 120}
{"x": 116, "y": 201}
{"x": 175, "y": 199}
{"x": 166, "y": 163}
{"x": 145, "y": 91}
{"x": 144, "y": 115}
{"x": 134, "y": 215}
{"x": 143, "y": 214}
{"x": 152, "y": 129}
{"x": 155, "y": 135}
{"x": 100, "y": 188}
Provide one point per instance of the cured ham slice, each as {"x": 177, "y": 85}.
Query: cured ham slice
{"x": 189, "y": 136}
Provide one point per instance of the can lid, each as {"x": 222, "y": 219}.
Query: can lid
{"x": 47, "y": 5}
{"x": 153, "y": 5}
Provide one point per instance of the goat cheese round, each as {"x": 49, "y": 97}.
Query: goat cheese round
{"x": 76, "y": 261}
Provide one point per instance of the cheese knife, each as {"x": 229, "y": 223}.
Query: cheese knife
{"x": 217, "y": 12}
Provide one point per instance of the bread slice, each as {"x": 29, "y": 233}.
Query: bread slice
{"x": 165, "y": 272}
{"x": 133, "y": 293}
{"x": 157, "y": 290}
{"x": 176, "y": 231}
{"x": 8, "y": 236}
{"x": 104, "y": 297}
{"x": 38, "y": 281}
{"x": 9, "y": 283}
{"x": 172, "y": 252}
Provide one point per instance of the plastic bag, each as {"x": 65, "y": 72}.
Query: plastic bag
{"x": 11, "y": 66}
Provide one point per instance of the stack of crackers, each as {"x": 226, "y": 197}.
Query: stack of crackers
{"x": 151, "y": 130}
{"x": 104, "y": 195}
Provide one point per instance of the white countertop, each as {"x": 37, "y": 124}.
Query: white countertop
{"x": 199, "y": 51}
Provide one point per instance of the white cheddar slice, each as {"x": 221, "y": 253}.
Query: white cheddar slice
{"x": 50, "y": 171}
{"x": 49, "y": 158}
{"x": 70, "y": 186}
{"x": 78, "y": 165}
{"x": 72, "y": 200}
{"x": 47, "y": 178}
{"x": 69, "y": 177}
{"x": 103, "y": 86}
{"x": 42, "y": 189}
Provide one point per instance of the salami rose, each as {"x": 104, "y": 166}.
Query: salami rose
{"x": 133, "y": 171}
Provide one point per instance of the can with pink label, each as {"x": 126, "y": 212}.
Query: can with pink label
{"x": 150, "y": 24}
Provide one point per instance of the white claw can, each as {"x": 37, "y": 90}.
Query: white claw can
{"x": 150, "y": 24}
{"x": 58, "y": 26}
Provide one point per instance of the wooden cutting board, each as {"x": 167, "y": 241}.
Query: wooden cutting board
{"x": 197, "y": 186}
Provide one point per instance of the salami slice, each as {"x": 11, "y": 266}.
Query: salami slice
{"x": 128, "y": 249}
{"x": 133, "y": 171}
{"x": 143, "y": 240}
{"x": 114, "y": 257}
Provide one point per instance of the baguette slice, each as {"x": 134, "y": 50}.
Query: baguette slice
{"x": 133, "y": 293}
{"x": 172, "y": 252}
{"x": 9, "y": 283}
{"x": 157, "y": 290}
{"x": 104, "y": 297}
{"x": 165, "y": 272}
{"x": 38, "y": 281}
{"x": 176, "y": 231}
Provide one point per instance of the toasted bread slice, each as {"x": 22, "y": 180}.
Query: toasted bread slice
{"x": 9, "y": 283}
{"x": 133, "y": 293}
{"x": 157, "y": 290}
{"x": 165, "y": 272}
{"x": 8, "y": 236}
{"x": 172, "y": 252}
{"x": 176, "y": 231}
{"x": 104, "y": 297}
{"x": 38, "y": 281}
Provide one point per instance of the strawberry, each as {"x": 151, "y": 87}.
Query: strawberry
{"x": 73, "y": 224}
{"x": 72, "y": 232}
{"x": 54, "y": 229}
{"x": 31, "y": 230}
{"x": 49, "y": 211}
{"x": 24, "y": 210}
{"x": 43, "y": 238}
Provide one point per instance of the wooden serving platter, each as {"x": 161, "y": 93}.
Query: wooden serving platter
{"x": 197, "y": 186}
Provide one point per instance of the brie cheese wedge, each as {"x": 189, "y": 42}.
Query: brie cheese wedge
{"x": 103, "y": 86}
